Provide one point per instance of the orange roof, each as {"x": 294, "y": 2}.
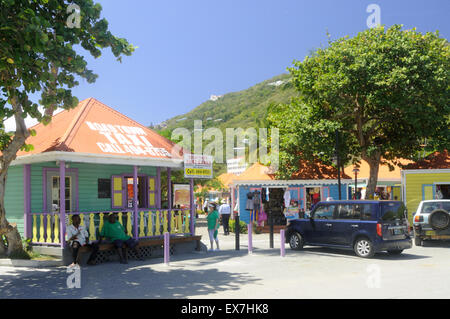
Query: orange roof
{"x": 316, "y": 170}
{"x": 256, "y": 172}
{"x": 226, "y": 178}
{"x": 383, "y": 172}
{"x": 94, "y": 128}
{"x": 433, "y": 161}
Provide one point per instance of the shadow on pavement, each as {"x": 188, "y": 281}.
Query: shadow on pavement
{"x": 341, "y": 253}
{"x": 436, "y": 243}
{"x": 134, "y": 280}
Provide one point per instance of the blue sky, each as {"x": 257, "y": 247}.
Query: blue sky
{"x": 189, "y": 50}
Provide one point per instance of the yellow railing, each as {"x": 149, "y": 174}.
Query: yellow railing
{"x": 151, "y": 223}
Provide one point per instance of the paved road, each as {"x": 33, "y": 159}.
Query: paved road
{"x": 421, "y": 272}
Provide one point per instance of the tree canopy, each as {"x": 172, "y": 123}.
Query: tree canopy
{"x": 385, "y": 90}
{"x": 40, "y": 44}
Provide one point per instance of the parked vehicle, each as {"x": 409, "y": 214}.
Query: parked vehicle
{"x": 432, "y": 220}
{"x": 366, "y": 227}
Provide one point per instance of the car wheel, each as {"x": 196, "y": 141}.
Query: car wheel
{"x": 296, "y": 241}
{"x": 364, "y": 248}
{"x": 418, "y": 241}
{"x": 395, "y": 252}
{"x": 439, "y": 219}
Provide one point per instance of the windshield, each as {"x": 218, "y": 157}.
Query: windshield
{"x": 431, "y": 206}
{"x": 393, "y": 211}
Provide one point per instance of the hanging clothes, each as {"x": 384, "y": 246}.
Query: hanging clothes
{"x": 264, "y": 195}
{"x": 316, "y": 198}
{"x": 249, "y": 205}
{"x": 287, "y": 198}
{"x": 256, "y": 200}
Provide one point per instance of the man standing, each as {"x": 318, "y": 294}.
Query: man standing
{"x": 225, "y": 213}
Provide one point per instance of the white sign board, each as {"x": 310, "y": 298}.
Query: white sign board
{"x": 198, "y": 166}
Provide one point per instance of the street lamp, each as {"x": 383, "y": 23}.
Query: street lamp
{"x": 356, "y": 171}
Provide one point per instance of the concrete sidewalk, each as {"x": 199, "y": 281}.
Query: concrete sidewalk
{"x": 421, "y": 272}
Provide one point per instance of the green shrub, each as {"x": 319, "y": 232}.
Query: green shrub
{"x": 242, "y": 226}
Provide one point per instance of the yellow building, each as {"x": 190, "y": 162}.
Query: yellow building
{"x": 426, "y": 179}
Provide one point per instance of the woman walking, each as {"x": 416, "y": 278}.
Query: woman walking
{"x": 213, "y": 225}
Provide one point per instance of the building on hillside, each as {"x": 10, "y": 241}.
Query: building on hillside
{"x": 91, "y": 161}
{"x": 388, "y": 184}
{"x": 236, "y": 166}
{"x": 428, "y": 178}
{"x": 311, "y": 183}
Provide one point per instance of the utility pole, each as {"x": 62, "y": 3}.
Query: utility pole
{"x": 338, "y": 163}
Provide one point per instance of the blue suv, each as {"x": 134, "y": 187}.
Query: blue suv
{"x": 364, "y": 226}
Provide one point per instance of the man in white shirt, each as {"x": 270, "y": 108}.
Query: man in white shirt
{"x": 225, "y": 213}
{"x": 77, "y": 236}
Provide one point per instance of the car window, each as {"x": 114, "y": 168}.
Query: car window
{"x": 324, "y": 212}
{"x": 348, "y": 211}
{"x": 393, "y": 211}
{"x": 431, "y": 206}
{"x": 365, "y": 211}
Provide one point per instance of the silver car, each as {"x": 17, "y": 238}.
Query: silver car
{"x": 432, "y": 220}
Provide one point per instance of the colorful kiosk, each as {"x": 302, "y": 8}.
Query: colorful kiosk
{"x": 428, "y": 178}
{"x": 313, "y": 182}
{"x": 91, "y": 161}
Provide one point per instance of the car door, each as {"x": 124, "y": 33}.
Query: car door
{"x": 352, "y": 219}
{"x": 346, "y": 224}
{"x": 322, "y": 224}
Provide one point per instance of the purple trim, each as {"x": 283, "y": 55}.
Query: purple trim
{"x": 169, "y": 188}
{"x": 135, "y": 200}
{"x": 125, "y": 190}
{"x": 166, "y": 248}
{"x": 191, "y": 206}
{"x": 158, "y": 187}
{"x": 44, "y": 185}
{"x": 282, "y": 250}
{"x": 62, "y": 201}
{"x": 27, "y": 200}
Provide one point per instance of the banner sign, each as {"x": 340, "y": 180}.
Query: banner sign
{"x": 125, "y": 140}
{"x": 198, "y": 166}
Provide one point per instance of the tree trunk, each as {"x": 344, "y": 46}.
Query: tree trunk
{"x": 374, "y": 165}
{"x": 9, "y": 153}
{"x": 2, "y": 247}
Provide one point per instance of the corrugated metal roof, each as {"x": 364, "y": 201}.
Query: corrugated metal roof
{"x": 95, "y": 128}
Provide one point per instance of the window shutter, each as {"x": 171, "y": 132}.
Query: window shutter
{"x": 117, "y": 197}
{"x": 151, "y": 192}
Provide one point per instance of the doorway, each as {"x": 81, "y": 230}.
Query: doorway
{"x": 313, "y": 196}
{"x": 141, "y": 196}
{"x": 51, "y": 192}
{"x": 442, "y": 191}
{"x": 275, "y": 206}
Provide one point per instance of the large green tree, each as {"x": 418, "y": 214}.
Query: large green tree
{"x": 385, "y": 90}
{"x": 40, "y": 44}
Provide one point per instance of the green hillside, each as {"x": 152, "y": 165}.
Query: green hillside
{"x": 243, "y": 109}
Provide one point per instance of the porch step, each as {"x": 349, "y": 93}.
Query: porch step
{"x": 49, "y": 251}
